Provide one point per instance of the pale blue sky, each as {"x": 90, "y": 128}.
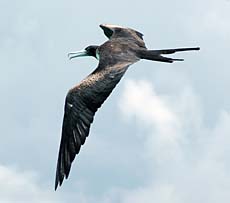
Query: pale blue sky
{"x": 133, "y": 153}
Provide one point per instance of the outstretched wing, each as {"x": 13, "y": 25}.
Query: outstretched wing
{"x": 80, "y": 106}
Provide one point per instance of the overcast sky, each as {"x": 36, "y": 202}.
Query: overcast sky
{"x": 162, "y": 136}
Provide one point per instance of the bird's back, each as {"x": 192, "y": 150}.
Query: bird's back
{"x": 117, "y": 51}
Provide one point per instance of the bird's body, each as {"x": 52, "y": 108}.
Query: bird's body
{"x": 124, "y": 47}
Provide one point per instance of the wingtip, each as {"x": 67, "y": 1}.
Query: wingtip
{"x": 110, "y": 25}
{"x": 101, "y": 25}
{"x": 56, "y": 184}
{"x": 58, "y": 179}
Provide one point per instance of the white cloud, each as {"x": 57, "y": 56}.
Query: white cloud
{"x": 20, "y": 186}
{"x": 190, "y": 161}
{"x": 141, "y": 101}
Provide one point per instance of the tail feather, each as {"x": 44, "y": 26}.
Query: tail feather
{"x": 172, "y": 51}
{"x": 161, "y": 58}
{"x": 155, "y": 55}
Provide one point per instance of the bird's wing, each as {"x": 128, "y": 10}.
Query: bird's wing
{"x": 114, "y": 31}
{"x": 80, "y": 106}
{"x": 129, "y": 34}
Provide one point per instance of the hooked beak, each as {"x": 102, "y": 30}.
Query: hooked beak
{"x": 77, "y": 54}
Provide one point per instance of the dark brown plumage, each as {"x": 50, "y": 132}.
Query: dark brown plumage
{"x": 124, "y": 47}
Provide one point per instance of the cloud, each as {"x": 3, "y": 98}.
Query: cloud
{"x": 22, "y": 186}
{"x": 189, "y": 160}
{"x": 141, "y": 101}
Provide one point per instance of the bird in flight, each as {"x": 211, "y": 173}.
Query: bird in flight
{"x": 125, "y": 46}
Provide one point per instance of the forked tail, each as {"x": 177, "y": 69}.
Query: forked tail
{"x": 156, "y": 55}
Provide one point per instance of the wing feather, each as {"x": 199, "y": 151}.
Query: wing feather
{"x": 81, "y": 105}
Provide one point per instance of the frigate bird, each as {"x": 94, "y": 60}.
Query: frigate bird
{"x": 124, "y": 47}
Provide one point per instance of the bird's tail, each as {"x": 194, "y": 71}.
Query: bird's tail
{"x": 156, "y": 55}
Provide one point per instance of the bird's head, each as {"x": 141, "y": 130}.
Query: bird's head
{"x": 88, "y": 51}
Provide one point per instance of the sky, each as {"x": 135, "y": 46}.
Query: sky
{"x": 162, "y": 136}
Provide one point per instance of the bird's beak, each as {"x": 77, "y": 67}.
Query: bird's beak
{"x": 77, "y": 54}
